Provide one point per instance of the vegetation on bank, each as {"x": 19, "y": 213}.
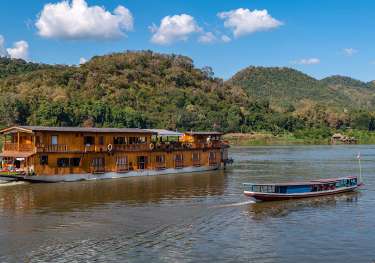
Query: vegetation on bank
{"x": 151, "y": 90}
{"x": 307, "y": 137}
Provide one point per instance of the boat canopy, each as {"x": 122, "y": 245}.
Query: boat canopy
{"x": 166, "y": 133}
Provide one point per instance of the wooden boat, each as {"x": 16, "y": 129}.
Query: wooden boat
{"x": 285, "y": 191}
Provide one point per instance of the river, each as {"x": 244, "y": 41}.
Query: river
{"x": 197, "y": 217}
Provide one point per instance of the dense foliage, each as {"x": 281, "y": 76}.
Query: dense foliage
{"x": 147, "y": 89}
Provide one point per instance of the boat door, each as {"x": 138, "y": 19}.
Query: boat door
{"x": 142, "y": 162}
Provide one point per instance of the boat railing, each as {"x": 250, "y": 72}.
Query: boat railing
{"x": 131, "y": 147}
{"x": 53, "y": 148}
{"x": 15, "y": 147}
{"x": 260, "y": 188}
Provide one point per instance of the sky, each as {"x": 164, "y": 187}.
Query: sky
{"x": 320, "y": 37}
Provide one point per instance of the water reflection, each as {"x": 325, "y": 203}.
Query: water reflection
{"x": 279, "y": 209}
{"x": 65, "y": 197}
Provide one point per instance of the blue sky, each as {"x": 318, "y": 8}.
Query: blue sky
{"x": 320, "y": 38}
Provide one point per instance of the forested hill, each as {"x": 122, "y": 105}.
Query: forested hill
{"x": 286, "y": 86}
{"x": 132, "y": 89}
{"x": 147, "y": 89}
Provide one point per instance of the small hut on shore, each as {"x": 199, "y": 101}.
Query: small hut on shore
{"x": 340, "y": 138}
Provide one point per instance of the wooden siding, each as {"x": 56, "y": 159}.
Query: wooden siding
{"x": 62, "y": 153}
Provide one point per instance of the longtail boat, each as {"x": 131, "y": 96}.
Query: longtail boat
{"x": 285, "y": 191}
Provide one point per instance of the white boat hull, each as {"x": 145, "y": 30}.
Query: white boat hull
{"x": 113, "y": 175}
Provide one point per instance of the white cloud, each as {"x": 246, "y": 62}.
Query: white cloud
{"x": 82, "y": 61}
{"x": 350, "y": 51}
{"x": 174, "y": 28}
{"x": 3, "y": 52}
{"x": 20, "y": 50}
{"x": 225, "y": 38}
{"x": 244, "y": 21}
{"x": 77, "y": 20}
{"x": 307, "y": 61}
{"x": 207, "y": 38}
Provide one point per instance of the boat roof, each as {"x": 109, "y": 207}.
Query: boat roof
{"x": 162, "y": 132}
{"x": 203, "y": 133}
{"x": 31, "y": 129}
{"x": 313, "y": 182}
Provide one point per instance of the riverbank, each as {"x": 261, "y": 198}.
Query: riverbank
{"x": 267, "y": 138}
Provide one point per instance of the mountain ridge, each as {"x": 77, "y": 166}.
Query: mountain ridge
{"x": 147, "y": 89}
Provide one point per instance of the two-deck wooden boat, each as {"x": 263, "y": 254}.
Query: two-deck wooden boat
{"x": 54, "y": 154}
{"x": 285, "y": 191}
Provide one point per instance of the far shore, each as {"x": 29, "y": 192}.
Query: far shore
{"x": 266, "y": 138}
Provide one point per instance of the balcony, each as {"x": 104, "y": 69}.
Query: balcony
{"x": 15, "y": 147}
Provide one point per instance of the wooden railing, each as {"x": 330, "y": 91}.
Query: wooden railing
{"x": 15, "y": 147}
{"x": 131, "y": 147}
{"x": 61, "y": 148}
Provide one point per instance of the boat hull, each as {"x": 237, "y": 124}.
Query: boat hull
{"x": 276, "y": 197}
{"x": 111, "y": 175}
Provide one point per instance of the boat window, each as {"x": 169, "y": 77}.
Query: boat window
{"x": 159, "y": 158}
{"x": 119, "y": 140}
{"x": 75, "y": 162}
{"x": 195, "y": 156}
{"x": 178, "y": 157}
{"x": 62, "y": 162}
{"x": 123, "y": 160}
{"x": 98, "y": 162}
{"x": 54, "y": 139}
{"x": 88, "y": 140}
{"x": 43, "y": 159}
{"x": 212, "y": 155}
{"x": 142, "y": 162}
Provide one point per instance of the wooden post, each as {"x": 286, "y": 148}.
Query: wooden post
{"x": 34, "y": 142}
{"x": 18, "y": 141}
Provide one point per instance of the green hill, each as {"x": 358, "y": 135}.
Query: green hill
{"x": 132, "y": 89}
{"x": 285, "y": 86}
{"x": 147, "y": 89}
{"x": 10, "y": 67}
{"x": 343, "y": 81}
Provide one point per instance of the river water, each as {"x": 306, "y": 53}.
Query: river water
{"x": 197, "y": 217}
